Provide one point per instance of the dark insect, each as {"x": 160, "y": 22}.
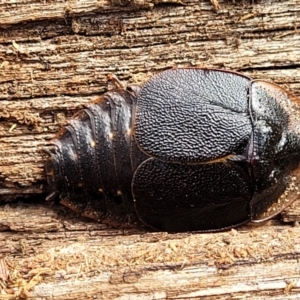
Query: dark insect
{"x": 191, "y": 150}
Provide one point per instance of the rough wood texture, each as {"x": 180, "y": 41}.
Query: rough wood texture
{"x": 66, "y": 258}
{"x": 54, "y": 57}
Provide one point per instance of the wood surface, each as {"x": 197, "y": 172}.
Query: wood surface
{"x": 55, "y": 56}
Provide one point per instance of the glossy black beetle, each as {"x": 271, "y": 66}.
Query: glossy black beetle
{"x": 192, "y": 149}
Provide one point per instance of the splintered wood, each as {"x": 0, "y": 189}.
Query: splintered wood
{"x": 54, "y": 58}
{"x": 64, "y": 255}
{"x": 52, "y": 66}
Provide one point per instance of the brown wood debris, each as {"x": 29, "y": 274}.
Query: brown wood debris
{"x": 55, "y": 57}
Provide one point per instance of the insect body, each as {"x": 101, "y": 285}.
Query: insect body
{"x": 192, "y": 149}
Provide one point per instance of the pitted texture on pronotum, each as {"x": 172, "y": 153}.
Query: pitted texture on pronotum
{"x": 193, "y": 149}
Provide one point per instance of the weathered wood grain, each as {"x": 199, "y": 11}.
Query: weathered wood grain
{"x": 50, "y": 68}
{"x": 66, "y": 258}
{"x": 54, "y": 57}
